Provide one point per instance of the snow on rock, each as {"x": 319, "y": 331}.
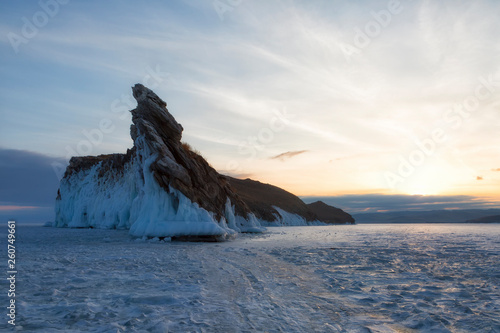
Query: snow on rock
{"x": 274, "y": 206}
{"x": 159, "y": 188}
{"x": 284, "y": 218}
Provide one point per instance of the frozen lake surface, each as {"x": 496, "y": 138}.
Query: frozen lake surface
{"x": 361, "y": 278}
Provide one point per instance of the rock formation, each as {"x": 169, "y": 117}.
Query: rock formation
{"x": 162, "y": 188}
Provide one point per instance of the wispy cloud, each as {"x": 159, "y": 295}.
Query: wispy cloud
{"x": 289, "y": 154}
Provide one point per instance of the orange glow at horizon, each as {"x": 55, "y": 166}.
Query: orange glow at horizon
{"x": 16, "y": 208}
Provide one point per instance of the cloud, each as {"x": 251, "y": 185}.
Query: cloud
{"x": 28, "y": 184}
{"x": 495, "y": 170}
{"x": 289, "y": 154}
{"x": 479, "y": 178}
{"x": 369, "y": 203}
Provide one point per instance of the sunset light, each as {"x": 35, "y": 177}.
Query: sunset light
{"x": 250, "y": 166}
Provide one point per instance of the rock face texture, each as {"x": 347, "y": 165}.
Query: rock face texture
{"x": 162, "y": 188}
{"x": 176, "y": 165}
{"x": 330, "y": 214}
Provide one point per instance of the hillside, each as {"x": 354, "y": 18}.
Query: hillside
{"x": 261, "y": 198}
{"x": 486, "y": 219}
{"x": 330, "y": 214}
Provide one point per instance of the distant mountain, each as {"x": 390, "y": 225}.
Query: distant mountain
{"x": 330, "y": 214}
{"x": 267, "y": 202}
{"x": 432, "y": 216}
{"x": 264, "y": 199}
{"x": 486, "y": 219}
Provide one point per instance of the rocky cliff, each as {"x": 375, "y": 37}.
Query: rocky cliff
{"x": 162, "y": 188}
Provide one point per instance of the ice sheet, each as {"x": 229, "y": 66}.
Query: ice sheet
{"x": 361, "y": 278}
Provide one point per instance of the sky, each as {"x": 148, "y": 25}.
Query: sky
{"x": 331, "y": 99}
